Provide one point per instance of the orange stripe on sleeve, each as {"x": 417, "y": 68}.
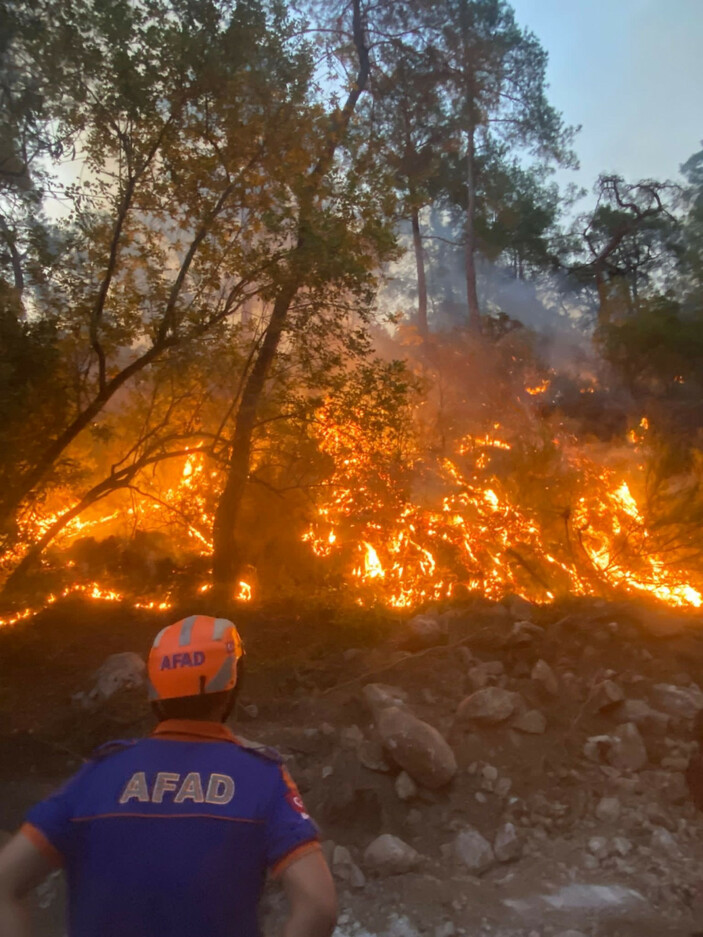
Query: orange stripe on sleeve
{"x": 37, "y": 839}
{"x": 280, "y": 867}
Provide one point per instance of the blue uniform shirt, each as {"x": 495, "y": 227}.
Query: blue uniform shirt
{"x": 171, "y": 836}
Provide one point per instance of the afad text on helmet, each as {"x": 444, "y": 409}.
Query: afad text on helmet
{"x": 182, "y": 659}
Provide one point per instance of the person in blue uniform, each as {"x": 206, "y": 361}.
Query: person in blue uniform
{"x": 173, "y": 835}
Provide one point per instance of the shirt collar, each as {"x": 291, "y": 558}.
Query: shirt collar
{"x": 194, "y": 728}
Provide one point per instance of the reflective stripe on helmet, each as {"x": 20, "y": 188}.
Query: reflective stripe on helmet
{"x": 187, "y": 630}
{"x": 160, "y": 635}
{"x": 221, "y": 625}
{"x": 222, "y": 678}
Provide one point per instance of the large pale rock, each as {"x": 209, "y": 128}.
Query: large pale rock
{"x": 126, "y": 669}
{"x": 507, "y": 844}
{"x": 417, "y": 747}
{"x": 389, "y": 855}
{"x": 627, "y": 749}
{"x": 474, "y": 851}
{"x": 543, "y": 675}
{"x": 680, "y": 701}
{"x": 488, "y": 706}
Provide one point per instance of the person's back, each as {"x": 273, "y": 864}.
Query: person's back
{"x": 172, "y": 835}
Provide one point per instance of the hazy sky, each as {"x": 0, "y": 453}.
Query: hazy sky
{"x": 631, "y": 73}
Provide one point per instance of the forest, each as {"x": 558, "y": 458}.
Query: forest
{"x": 293, "y": 308}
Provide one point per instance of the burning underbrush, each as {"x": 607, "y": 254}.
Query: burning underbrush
{"x": 470, "y": 469}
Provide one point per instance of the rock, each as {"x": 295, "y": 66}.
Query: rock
{"x": 474, "y": 851}
{"x": 627, "y": 750}
{"x": 571, "y": 933}
{"x": 679, "y": 701}
{"x": 489, "y": 772}
{"x": 523, "y": 632}
{"x": 645, "y": 718}
{"x": 507, "y": 845}
{"x": 417, "y": 747}
{"x": 478, "y": 678}
{"x": 405, "y": 787}
{"x": 389, "y": 855}
{"x": 663, "y": 842}
{"x": 622, "y": 846}
{"x": 126, "y": 669}
{"x": 606, "y": 694}
{"x": 484, "y": 672}
{"x": 351, "y": 737}
{"x": 582, "y": 897}
{"x": 345, "y": 869}
{"x": 598, "y": 847}
{"x": 533, "y": 722}
{"x": 543, "y": 674}
{"x": 596, "y": 747}
{"x": 675, "y": 790}
{"x": 518, "y": 607}
{"x": 488, "y": 706}
{"x": 445, "y": 930}
{"x": 379, "y": 696}
{"x": 608, "y": 809}
{"x": 426, "y": 631}
{"x": 371, "y": 756}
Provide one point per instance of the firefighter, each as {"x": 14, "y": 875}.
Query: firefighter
{"x": 173, "y": 834}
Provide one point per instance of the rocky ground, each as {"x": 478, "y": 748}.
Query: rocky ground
{"x": 499, "y": 770}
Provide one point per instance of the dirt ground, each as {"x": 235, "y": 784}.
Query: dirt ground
{"x": 606, "y": 841}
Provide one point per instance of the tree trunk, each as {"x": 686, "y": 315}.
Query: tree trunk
{"x": 421, "y": 278}
{"x": 227, "y": 557}
{"x": 470, "y": 246}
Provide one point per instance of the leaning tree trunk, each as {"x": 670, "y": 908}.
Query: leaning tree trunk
{"x": 421, "y": 277}
{"x": 470, "y": 243}
{"x": 227, "y": 557}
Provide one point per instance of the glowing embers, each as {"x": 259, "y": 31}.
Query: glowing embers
{"x": 91, "y": 591}
{"x": 243, "y": 593}
{"x": 538, "y": 389}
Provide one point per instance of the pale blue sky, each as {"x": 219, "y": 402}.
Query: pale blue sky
{"x": 629, "y": 71}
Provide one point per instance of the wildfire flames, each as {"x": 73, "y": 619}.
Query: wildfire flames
{"x": 403, "y": 529}
{"x": 479, "y": 537}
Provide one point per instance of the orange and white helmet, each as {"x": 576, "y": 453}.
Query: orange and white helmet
{"x": 196, "y": 655}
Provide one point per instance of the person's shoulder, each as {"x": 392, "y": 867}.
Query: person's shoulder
{"x": 264, "y": 753}
{"x": 108, "y": 749}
